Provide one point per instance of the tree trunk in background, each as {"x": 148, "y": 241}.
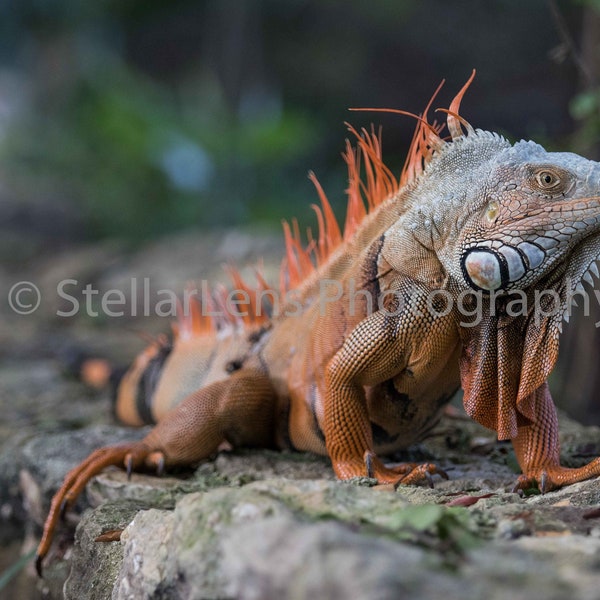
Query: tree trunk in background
{"x": 576, "y": 385}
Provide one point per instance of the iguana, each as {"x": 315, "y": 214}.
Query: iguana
{"x": 457, "y": 274}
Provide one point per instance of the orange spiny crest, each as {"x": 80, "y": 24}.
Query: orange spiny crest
{"x": 380, "y": 181}
{"x": 244, "y": 301}
{"x": 290, "y": 268}
{"x": 356, "y": 210}
{"x": 426, "y": 138}
{"x": 223, "y": 316}
{"x": 454, "y": 120}
{"x": 220, "y": 307}
{"x": 298, "y": 264}
{"x": 370, "y": 182}
{"x": 193, "y": 318}
{"x": 260, "y": 278}
{"x": 270, "y": 298}
{"x": 320, "y": 245}
{"x": 413, "y": 165}
{"x": 304, "y": 254}
{"x": 460, "y": 121}
{"x": 330, "y": 236}
{"x": 421, "y": 150}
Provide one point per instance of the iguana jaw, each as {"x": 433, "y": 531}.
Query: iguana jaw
{"x": 533, "y": 247}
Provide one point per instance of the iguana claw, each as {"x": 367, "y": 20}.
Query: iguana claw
{"x": 160, "y": 465}
{"x": 524, "y": 483}
{"x": 421, "y": 472}
{"x": 38, "y": 564}
{"x": 429, "y": 479}
{"x": 369, "y": 464}
{"x": 129, "y": 466}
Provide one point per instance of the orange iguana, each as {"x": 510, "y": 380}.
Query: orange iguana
{"x": 458, "y": 274}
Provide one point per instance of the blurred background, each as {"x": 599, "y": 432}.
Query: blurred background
{"x": 171, "y": 136}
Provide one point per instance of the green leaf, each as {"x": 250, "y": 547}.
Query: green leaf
{"x": 421, "y": 517}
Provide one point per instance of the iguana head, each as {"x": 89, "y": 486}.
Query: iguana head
{"x": 492, "y": 217}
{"x": 505, "y": 218}
{"x": 509, "y": 216}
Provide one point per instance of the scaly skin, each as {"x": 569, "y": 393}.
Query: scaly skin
{"x": 333, "y": 375}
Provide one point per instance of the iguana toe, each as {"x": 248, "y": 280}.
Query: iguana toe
{"x": 401, "y": 474}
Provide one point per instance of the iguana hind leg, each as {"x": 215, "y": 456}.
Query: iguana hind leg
{"x": 239, "y": 409}
{"x": 537, "y": 449}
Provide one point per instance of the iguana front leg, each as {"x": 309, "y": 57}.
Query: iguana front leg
{"x": 538, "y": 450}
{"x": 375, "y": 351}
{"x": 239, "y": 409}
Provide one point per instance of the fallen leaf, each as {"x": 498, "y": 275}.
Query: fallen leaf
{"x": 593, "y": 513}
{"x": 565, "y": 502}
{"x": 467, "y": 500}
{"x": 112, "y": 535}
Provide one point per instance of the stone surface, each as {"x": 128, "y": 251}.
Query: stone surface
{"x": 280, "y": 538}
{"x": 259, "y": 524}
{"x": 95, "y": 565}
{"x": 264, "y": 524}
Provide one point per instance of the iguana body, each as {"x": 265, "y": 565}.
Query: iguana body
{"x": 332, "y": 374}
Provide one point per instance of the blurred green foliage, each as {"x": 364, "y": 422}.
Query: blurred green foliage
{"x": 143, "y": 161}
{"x": 144, "y": 117}
{"x": 137, "y": 153}
{"x": 585, "y": 108}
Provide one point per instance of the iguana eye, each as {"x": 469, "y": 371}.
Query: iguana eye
{"x": 547, "y": 179}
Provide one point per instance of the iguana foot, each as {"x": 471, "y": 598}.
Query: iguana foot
{"x": 403, "y": 473}
{"x": 127, "y": 456}
{"x": 552, "y": 477}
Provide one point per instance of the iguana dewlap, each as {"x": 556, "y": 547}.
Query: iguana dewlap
{"x": 443, "y": 279}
